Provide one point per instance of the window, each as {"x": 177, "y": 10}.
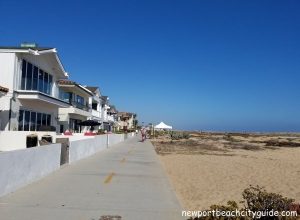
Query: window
{"x": 46, "y": 82}
{"x": 44, "y": 119}
{"x": 65, "y": 96}
{"x": 94, "y": 106}
{"x": 24, "y": 66}
{"x": 73, "y": 125}
{"x": 29, "y": 76}
{"x": 21, "y": 120}
{"x": 26, "y": 120}
{"x": 80, "y": 100}
{"x": 48, "y": 119}
{"x": 36, "y": 79}
{"x": 49, "y": 90}
{"x": 39, "y": 120}
{"x": 41, "y": 80}
{"x": 31, "y": 121}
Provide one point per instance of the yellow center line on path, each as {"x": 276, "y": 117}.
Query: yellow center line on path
{"x": 109, "y": 178}
{"x": 130, "y": 151}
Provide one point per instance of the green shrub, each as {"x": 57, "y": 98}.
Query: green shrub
{"x": 100, "y": 131}
{"x": 176, "y": 135}
{"x": 256, "y": 199}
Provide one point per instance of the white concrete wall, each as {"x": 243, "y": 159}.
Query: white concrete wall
{"x": 83, "y": 148}
{"x": 115, "y": 138}
{"x": 16, "y": 140}
{"x": 7, "y": 79}
{"x": 21, "y": 167}
{"x": 7, "y": 64}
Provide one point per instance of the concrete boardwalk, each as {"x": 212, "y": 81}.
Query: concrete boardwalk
{"x": 125, "y": 180}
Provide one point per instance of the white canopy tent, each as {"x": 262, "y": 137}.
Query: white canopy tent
{"x": 162, "y": 126}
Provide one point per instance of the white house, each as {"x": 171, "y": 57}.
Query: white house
{"x": 127, "y": 120}
{"x": 95, "y": 102}
{"x": 30, "y": 73}
{"x": 80, "y": 108}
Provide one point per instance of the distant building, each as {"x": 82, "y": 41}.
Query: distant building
{"x": 127, "y": 120}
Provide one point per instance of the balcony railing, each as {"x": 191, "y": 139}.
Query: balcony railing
{"x": 110, "y": 118}
{"x": 85, "y": 107}
{"x": 96, "y": 113}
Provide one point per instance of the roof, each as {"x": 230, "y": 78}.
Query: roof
{"x": 125, "y": 114}
{"x": 4, "y": 89}
{"x": 72, "y": 83}
{"x": 105, "y": 98}
{"x": 113, "y": 109}
{"x": 24, "y": 48}
{"x": 35, "y": 51}
{"x": 92, "y": 88}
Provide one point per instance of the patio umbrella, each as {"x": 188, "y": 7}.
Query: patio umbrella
{"x": 89, "y": 123}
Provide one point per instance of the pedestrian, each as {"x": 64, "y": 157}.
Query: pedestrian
{"x": 143, "y": 131}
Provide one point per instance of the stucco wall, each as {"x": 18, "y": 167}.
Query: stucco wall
{"x": 16, "y": 140}
{"x": 83, "y": 148}
{"x": 21, "y": 167}
{"x": 80, "y": 149}
{"x": 115, "y": 138}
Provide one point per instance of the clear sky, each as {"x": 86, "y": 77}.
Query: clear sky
{"x": 194, "y": 64}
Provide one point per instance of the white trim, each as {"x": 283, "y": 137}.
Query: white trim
{"x": 37, "y": 53}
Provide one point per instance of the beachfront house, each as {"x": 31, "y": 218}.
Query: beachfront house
{"x": 126, "y": 120}
{"x": 108, "y": 120}
{"x": 77, "y": 96}
{"x": 112, "y": 117}
{"x": 31, "y": 74}
{"x": 95, "y": 102}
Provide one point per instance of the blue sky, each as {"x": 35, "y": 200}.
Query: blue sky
{"x": 196, "y": 64}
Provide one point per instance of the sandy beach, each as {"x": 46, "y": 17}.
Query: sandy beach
{"x": 211, "y": 169}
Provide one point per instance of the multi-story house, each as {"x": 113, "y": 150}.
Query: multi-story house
{"x": 112, "y": 117}
{"x": 30, "y": 73}
{"x": 102, "y": 112}
{"x": 79, "y": 110}
{"x": 127, "y": 120}
{"x": 95, "y": 102}
{"x": 107, "y": 120}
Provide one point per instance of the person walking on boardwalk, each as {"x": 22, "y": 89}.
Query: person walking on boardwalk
{"x": 143, "y": 131}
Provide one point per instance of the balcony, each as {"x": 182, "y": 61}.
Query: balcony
{"x": 42, "y": 98}
{"x": 96, "y": 114}
{"x": 75, "y": 110}
{"x": 81, "y": 106}
{"x": 110, "y": 118}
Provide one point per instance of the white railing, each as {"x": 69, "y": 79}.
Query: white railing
{"x": 110, "y": 118}
{"x": 96, "y": 113}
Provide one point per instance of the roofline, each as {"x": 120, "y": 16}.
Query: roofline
{"x": 77, "y": 85}
{"x": 37, "y": 53}
{"x": 88, "y": 91}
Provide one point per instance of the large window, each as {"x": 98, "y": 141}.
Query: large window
{"x": 65, "y": 96}
{"x": 31, "y": 121}
{"x": 36, "y": 79}
{"x": 79, "y": 100}
{"x": 73, "y": 125}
